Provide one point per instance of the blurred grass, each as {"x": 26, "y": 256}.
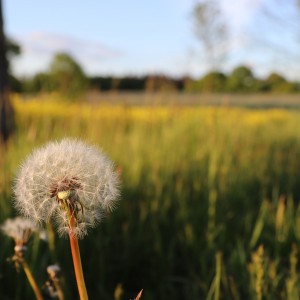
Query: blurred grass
{"x": 210, "y": 201}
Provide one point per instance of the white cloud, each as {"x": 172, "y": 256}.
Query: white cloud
{"x": 39, "y": 47}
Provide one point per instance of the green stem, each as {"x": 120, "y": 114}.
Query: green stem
{"x": 32, "y": 281}
{"x": 77, "y": 261}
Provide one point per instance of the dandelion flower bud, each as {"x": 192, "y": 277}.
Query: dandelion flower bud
{"x": 66, "y": 179}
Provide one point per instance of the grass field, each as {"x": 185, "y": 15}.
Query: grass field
{"x": 210, "y": 200}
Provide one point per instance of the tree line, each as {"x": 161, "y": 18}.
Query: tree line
{"x": 66, "y": 76}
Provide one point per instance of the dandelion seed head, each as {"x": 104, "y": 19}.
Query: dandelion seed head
{"x": 67, "y": 173}
{"x": 20, "y": 229}
{"x": 53, "y": 271}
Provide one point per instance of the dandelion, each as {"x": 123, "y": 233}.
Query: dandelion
{"x": 71, "y": 183}
{"x": 53, "y": 271}
{"x": 53, "y": 284}
{"x": 20, "y": 230}
{"x": 63, "y": 176}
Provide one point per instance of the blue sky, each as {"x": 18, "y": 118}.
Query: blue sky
{"x": 136, "y": 37}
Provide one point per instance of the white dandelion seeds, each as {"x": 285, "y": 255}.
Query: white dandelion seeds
{"x": 20, "y": 230}
{"x": 66, "y": 177}
{"x": 53, "y": 285}
{"x": 53, "y": 271}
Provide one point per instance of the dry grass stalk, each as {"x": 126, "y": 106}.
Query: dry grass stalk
{"x": 138, "y": 297}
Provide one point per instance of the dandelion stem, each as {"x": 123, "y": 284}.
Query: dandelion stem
{"x": 32, "y": 281}
{"x": 77, "y": 259}
{"x": 60, "y": 294}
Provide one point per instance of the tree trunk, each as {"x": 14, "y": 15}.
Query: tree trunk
{"x": 6, "y": 110}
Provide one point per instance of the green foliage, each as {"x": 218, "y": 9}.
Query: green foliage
{"x": 41, "y": 82}
{"x": 242, "y": 80}
{"x": 15, "y": 84}
{"x": 213, "y": 82}
{"x": 66, "y": 75}
{"x": 13, "y": 49}
{"x": 277, "y": 83}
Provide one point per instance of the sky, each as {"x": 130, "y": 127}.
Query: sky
{"x": 137, "y": 37}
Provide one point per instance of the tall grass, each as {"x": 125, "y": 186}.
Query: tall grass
{"x": 210, "y": 201}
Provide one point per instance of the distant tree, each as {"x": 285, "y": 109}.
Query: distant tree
{"x": 132, "y": 83}
{"x": 40, "y": 82}
{"x": 12, "y": 48}
{"x": 274, "y": 81}
{"x": 242, "y": 80}
{"x": 181, "y": 82}
{"x": 191, "y": 85}
{"x": 159, "y": 83}
{"x": 115, "y": 83}
{"x": 100, "y": 83}
{"x": 6, "y": 110}
{"x": 212, "y": 82}
{"x": 66, "y": 75}
{"x": 15, "y": 84}
{"x": 278, "y": 84}
{"x": 212, "y": 32}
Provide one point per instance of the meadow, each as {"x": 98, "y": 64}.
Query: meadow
{"x": 209, "y": 207}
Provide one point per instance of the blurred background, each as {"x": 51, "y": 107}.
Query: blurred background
{"x": 197, "y": 102}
